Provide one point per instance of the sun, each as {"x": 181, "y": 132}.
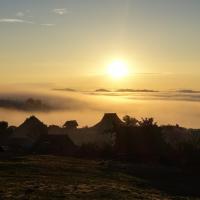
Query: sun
{"x": 117, "y": 69}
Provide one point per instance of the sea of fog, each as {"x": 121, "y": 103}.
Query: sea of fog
{"x": 88, "y": 107}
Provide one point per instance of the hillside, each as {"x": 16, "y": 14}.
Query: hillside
{"x": 51, "y": 177}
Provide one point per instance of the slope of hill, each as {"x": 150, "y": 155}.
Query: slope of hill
{"x": 52, "y": 177}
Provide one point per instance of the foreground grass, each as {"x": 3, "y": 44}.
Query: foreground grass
{"x": 53, "y": 177}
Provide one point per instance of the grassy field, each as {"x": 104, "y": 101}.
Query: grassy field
{"x": 53, "y": 177}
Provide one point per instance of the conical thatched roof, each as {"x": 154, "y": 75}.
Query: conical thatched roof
{"x": 31, "y": 128}
{"x": 108, "y": 121}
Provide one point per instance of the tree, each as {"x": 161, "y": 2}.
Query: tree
{"x": 72, "y": 124}
{"x": 3, "y": 125}
{"x": 148, "y": 123}
{"x": 129, "y": 121}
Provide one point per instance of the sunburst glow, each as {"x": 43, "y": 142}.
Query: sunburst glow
{"x": 117, "y": 69}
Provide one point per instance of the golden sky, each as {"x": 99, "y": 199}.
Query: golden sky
{"x": 71, "y": 43}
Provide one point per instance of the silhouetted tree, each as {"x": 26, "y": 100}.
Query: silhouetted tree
{"x": 148, "y": 123}
{"x": 130, "y": 121}
{"x": 3, "y": 126}
{"x": 5, "y": 132}
{"x": 141, "y": 142}
{"x": 72, "y": 124}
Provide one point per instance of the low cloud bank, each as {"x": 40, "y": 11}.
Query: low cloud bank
{"x": 132, "y": 90}
{"x": 37, "y": 102}
{"x": 102, "y": 90}
{"x": 73, "y": 100}
{"x": 27, "y": 105}
{"x": 65, "y": 89}
{"x": 188, "y": 91}
{"x": 169, "y": 96}
{"x": 188, "y": 95}
{"x": 107, "y": 90}
{"x": 125, "y": 90}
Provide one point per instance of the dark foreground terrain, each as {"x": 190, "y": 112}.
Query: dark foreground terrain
{"x": 53, "y": 177}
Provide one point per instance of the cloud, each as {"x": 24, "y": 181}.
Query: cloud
{"x": 65, "y": 89}
{"x": 60, "y": 11}
{"x": 168, "y": 96}
{"x": 36, "y": 102}
{"x": 20, "y": 14}
{"x": 132, "y": 90}
{"x": 188, "y": 96}
{"x": 102, "y": 90}
{"x": 26, "y": 13}
{"x": 188, "y": 91}
{"x": 47, "y": 24}
{"x": 125, "y": 90}
{"x": 38, "y": 105}
{"x": 20, "y": 18}
{"x": 10, "y": 20}
{"x": 26, "y": 105}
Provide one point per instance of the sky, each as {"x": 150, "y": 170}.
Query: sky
{"x": 70, "y": 43}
